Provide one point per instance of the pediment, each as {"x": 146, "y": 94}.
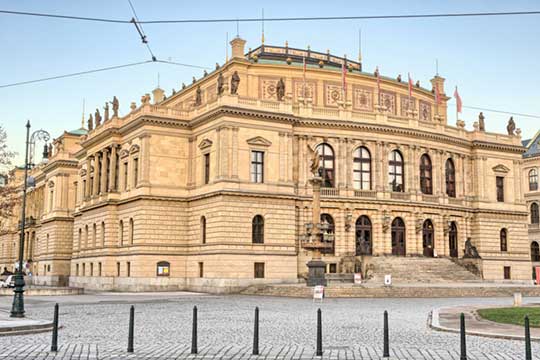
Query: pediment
{"x": 205, "y": 143}
{"x": 134, "y": 149}
{"x": 259, "y": 141}
{"x": 124, "y": 153}
{"x": 501, "y": 169}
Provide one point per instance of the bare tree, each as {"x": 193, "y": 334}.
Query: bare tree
{"x": 8, "y": 192}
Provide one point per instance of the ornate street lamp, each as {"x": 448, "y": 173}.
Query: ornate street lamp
{"x": 17, "y": 308}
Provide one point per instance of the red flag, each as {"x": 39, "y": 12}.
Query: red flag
{"x": 410, "y": 85}
{"x": 459, "y": 103}
{"x": 304, "y": 77}
{"x": 378, "y": 79}
{"x": 344, "y": 76}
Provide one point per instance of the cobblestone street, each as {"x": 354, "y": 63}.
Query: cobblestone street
{"x": 96, "y": 327}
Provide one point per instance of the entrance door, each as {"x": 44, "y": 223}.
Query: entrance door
{"x": 428, "y": 236}
{"x": 453, "y": 239}
{"x": 398, "y": 237}
{"x": 363, "y": 236}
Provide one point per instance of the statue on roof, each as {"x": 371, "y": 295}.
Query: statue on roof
{"x": 399, "y": 78}
{"x": 220, "y": 83}
{"x": 280, "y": 89}
{"x": 217, "y": 66}
{"x": 193, "y": 80}
{"x": 417, "y": 83}
{"x": 205, "y": 73}
{"x": 106, "y": 112}
{"x": 173, "y": 91}
{"x": 97, "y": 117}
{"x": 90, "y": 123}
{"x": 511, "y": 127}
{"x": 235, "y": 81}
{"x": 198, "y": 96}
{"x": 481, "y": 123}
{"x": 183, "y": 86}
{"x": 115, "y": 106}
{"x": 50, "y": 151}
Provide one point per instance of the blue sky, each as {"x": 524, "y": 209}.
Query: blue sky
{"x": 493, "y": 60}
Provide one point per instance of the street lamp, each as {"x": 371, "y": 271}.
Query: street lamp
{"x": 17, "y": 308}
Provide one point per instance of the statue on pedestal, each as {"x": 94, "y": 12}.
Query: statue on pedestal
{"x": 280, "y": 89}
{"x": 198, "y": 96}
{"x": 106, "y": 112}
{"x": 481, "y": 123}
{"x": 235, "y": 81}
{"x": 220, "y": 82}
{"x": 470, "y": 250}
{"x": 315, "y": 161}
{"x": 115, "y": 106}
{"x": 97, "y": 117}
{"x": 90, "y": 123}
{"x": 511, "y": 127}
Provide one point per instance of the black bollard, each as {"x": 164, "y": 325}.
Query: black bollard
{"x": 54, "y": 345}
{"x": 528, "y": 352}
{"x": 319, "y": 333}
{"x": 194, "y": 332}
{"x": 131, "y": 327}
{"x": 463, "y": 340}
{"x": 386, "y": 345}
{"x": 256, "y": 333}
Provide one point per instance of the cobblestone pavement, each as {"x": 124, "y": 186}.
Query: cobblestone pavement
{"x": 95, "y": 327}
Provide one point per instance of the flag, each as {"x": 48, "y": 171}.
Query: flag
{"x": 344, "y": 77}
{"x": 410, "y": 85}
{"x": 459, "y": 103}
{"x": 378, "y": 84}
{"x": 304, "y": 77}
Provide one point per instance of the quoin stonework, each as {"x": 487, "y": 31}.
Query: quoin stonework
{"x": 208, "y": 189}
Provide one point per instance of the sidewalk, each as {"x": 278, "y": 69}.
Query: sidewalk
{"x": 18, "y": 326}
{"x": 448, "y": 319}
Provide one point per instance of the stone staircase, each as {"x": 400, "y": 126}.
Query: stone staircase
{"x": 417, "y": 270}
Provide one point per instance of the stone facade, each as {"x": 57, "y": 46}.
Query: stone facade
{"x": 531, "y": 168}
{"x": 209, "y": 189}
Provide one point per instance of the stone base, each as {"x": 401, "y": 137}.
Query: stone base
{"x": 316, "y": 271}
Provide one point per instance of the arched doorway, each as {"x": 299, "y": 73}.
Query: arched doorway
{"x": 535, "y": 252}
{"x": 453, "y": 239}
{"x": 398, "y": 237}
{"x": 329, "y": 232}
{"x": 364, "y": 244}
{"x": 428, "y": 238}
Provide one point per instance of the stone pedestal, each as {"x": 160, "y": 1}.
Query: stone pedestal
{"x": 316, "y": 272}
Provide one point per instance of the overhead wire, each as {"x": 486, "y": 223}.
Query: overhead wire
{"x": 498, "y": 111}
{"x": 139, "y": 27}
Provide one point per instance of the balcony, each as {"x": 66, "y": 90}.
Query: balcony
{"x": 400, "y": 196}
{"x": 430, "y": 198}
{"x": 329, "y": 192}
{"x": 365, "y": 193}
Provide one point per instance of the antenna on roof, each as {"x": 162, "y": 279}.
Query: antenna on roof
{"x": 262, "y": 35}
{"x": 237, "y": 28}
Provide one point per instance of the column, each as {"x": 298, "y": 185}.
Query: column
{"x": 112, "y": 173}
{"x": 289, "y": 161}
{"x": 104, "y": 166}
{"x": 281, "y": 154}
{"x": 408, "y": 157}
{"x": 296, "y": 159}
{"x": 235, "y": 152}
{"x": 86, "y": 190}
{"x": 443, "y": 155}
{"x": 191, "y": 161}
{"x": 378, "y": 160}
{"x": 348, "y": 163}
{"x": 144, "y": 160}
{"x": 517, "y": 182}
{"x": 95, "y": 185}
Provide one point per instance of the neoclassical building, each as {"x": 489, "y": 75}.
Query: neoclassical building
{"x": 531, "y": 167}
{"x": 208, "y": 189}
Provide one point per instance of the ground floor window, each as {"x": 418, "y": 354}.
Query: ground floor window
{"x": 507, "y": 273}
{"x": 201, "y": 269}
{"x": 259, "y": 270}
{"x": 332, "y": 268}
{"x": 99, "y": 269}
{"x": 118, "y": 269}
{"x": 91, "y": 269}
{"x": 76, "y": 269}
{"x": 128, "y": 269}
{"x": 83, "y": 269}
{"x": 163, "y": 268}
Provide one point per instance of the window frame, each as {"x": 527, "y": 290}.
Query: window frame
{"x": 533, "y": 180}
{"x": 360, "y": 159}
{"x": 426, "y": 175}
{"x": 450, "y": 178}
{"x": 328, "y": 174}
{"x": 499, "y": 184}
{"x": 393, "y": 165}
{"x": 206, "y": 168}
{"x": 257, "y": 229}
{"x": 503, "y": 238}
{"x": 535, "y": 215}
{"x": 259, "y": 270}
{"x": 257, "y": 166}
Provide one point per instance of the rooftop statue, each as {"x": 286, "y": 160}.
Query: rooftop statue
{"x": 198, "y": 96}
{"x": 315, "y": 161}
{"x": 106, "y": 112}
{"x": 183, "y": 86}
{"x": 97, "y": 117}
{"x": 220, "y": 82}
{"x": 217, "y": 66}
{"x": 50, "y": 151}
{"x": 115, "y": 106}
{"x": 205, "y": 73}
{"x": 418, "y": 83}
{"x": 481, "y": 123}
{"x": 193, "y": 80}
{"x": 90, "y": 123}
{"x": 280, "y": 89}
{"x": 235, "y": 81}
{"x": 511, "y": 127}
{"x": 399, "y": 78}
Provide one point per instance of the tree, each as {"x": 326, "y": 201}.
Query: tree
{"x": 8, "y": 192}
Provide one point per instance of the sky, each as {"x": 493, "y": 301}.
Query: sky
{"x": 493, "y": 60}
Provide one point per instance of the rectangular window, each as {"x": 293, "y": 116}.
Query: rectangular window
{"x": 116, "y": 171}
{"x": 128, "y": 269}
{"x": 257, "y": 166}
{"x": 84, "y": 189}
{"x": 500, "y": 188}
{"x": 108, "y": 164}
{"x": 206, "y": 168}
{"x": 83, "y": 269}
{"x": 126, "y": 177}
{"x": 332, "y": 268}
{"x": 201, "y": 269}
{"x": 100, "y": 175}
{"x": 91, "y": 269}
{"x": 99, "y": 269}
{"x": 76, "y": 270}
{"x": 135, "y": 172}
{"x": 507, "y": 273}
{"x": 118, "y": 269}
{"x": 91, "y": 192}
{"x": 259, "y": 270}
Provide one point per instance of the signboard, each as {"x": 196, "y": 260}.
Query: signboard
{"x": 357, "y": 278}
{"x": 387, "y": 280}
{"x": 537, "y": 272}
{"x": 318, "y": 292}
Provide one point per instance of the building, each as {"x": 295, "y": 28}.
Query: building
{"x": 531, "y": 167}
{"x": 208, "y": 189}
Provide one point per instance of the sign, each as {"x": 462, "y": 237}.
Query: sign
{"x": 318, "y": 292}
{"x": 537, "y": 272}
{"x": 387, "y": 280}
{"x": 357, "y": 278}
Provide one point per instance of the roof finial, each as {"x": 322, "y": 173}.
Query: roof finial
{"x": 262, "y": 35}
{"x": 237, "y": 28}
{"x": 360, "y": 45}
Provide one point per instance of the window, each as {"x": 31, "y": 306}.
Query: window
{"x": 79, "y": 241}
{"x": 91, "y": 269}
{"x": 201, "y": 269}
{"x": 131, "y": 231}
{"x": 533, "y": 180}
{"x": 51, "y": 199}
{"x": 102, "y": 233}
{"x": 99, "y": 176}
{"x": 500, "y": 188}
{"x": 534, "y": 213}
{"x": 84, "y": 269}
{"x": 76, "y": 270}
{"x": 163, "y": 268}
{"x": 203, "y": 229}
{"x": 506, "y": 271}
{"x": 257, "y": 166}
{"x": 363, "y": 236}
{"x": 395, "y": 171}
{"x": 332, "y": 268}
{"x": 116, "y": 171}
{"x": 91, "y": 185}
{"x": 362, "y": 169}
{"x": 121, "y": 233}
{"x": 398, "y": 237}
{"x": 257, "y": 230}
{"x": 99, "y": 269}
{"x": 328, "y": 234}
{"x": 426, "y": 175}
{"x": 118, "y": 269}
{"x": 535, "y": 252}
{"x": 84, "y": 189}
{"x": 128, "y": 269}
{"x": 450, "y": 175}
{"x": 135, "y": 172}
{"x": 206, "y": 168}
{"x": 126, "y": 177}
{"x": 108, "y": 174}
{"x": 259, "y": 270}
{"x": 94, "y": 231}
{"x": 428, "y": 238}
{"x": 326, "y": 164}
{"x": 504, "y": 240}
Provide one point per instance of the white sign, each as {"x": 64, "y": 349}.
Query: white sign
{"x": 387, "y": 280}
{"x": 357, "y": 278}
{"x": 318, "y": 292}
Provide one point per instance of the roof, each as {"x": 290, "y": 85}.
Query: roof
{"x": 80, "y": 131}
{"x": 533, "y": 146}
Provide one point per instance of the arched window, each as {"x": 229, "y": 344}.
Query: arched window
{"x": 398, "y": 237}
{"x": 426, "y": 175}
{"x": 131, "y": 231}
{"x": 535, "y": 251}
{"x": 364, "y": 245}
{"x": 121, "y": 233}
{"x": 362, "y": 169}
{"x": 328, "y": 233}
{"x": 395, "y": 171}
{"x": 450, "y": 175}
{"x": 86, "y": 236}
{"x": 203, "y": 229}
{"x": 257, "y": 230}
{"x": 453, "y": 239}
{"x": 533, "y": 180}
{"x": 79, "y": 241}
{"x": 103, "y": 233}
{"x": 534, "y": 213}
{"x": 428, "y": 238}
{"x": 94, "y": 231}
{"x": 504, "y": 240}
{"x": 326, "y": 164}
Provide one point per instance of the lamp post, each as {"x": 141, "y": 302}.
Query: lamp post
{"x": 17, "y": 308}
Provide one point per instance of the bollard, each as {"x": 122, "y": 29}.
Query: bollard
{"x": 386, "y": 345}
{"x": 319, "y": 333}
{"x": 131, "y": 327}
{"x": 256, "y": 333}
{"x": 463, "y": 341}
{"x": 54, "y": 345}
{"x": 194, "y": 332}
{"x": 528, "y": 352}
